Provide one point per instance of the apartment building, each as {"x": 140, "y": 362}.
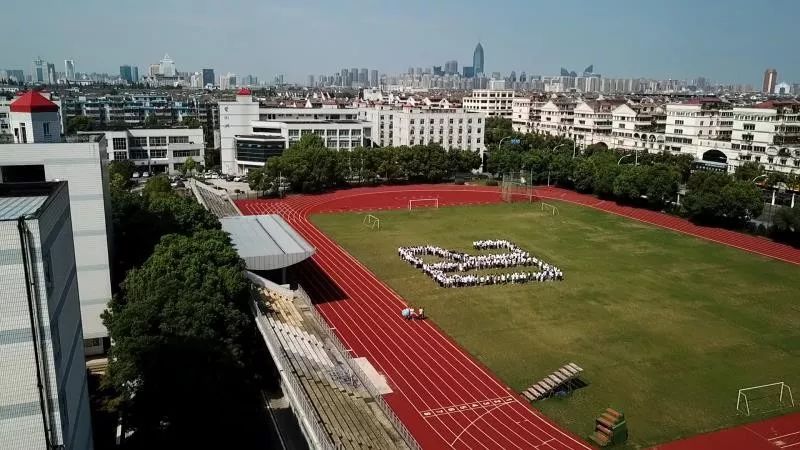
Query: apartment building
{"x": 133, "y": 109}
{"x": 492, "y": 102}
{"x": 592, "y": 121}
{"x": 637, "y": 126}
{"x": 556, "y": 118}
{"x": 156, "y": 150}
{"x": 44, "y": 400}
{"x": 768, "y": 133}
{"x": 451, "y": 128}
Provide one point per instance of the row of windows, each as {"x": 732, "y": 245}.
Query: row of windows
{"x": 342, "y": 132}
{"x": 431, "y": 141}
{"x": 678, "y": 140}
{"x": 185, "y": 153}
{"x": 441, "y": 130}
{"x": 441, "y": 121}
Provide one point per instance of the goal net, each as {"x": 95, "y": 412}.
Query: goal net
{"x": 371, "y": 222}
{"x": 416, "y": 203}
{"x": 517, "y": 186}
{"x": 764, "y": 398}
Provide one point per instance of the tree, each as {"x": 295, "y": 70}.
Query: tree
{"x": 183, "y": 344}
{"x": 626, "y": 185}
{"x": 741, "y": 201}
{"x": 189, "y": 166}
{"x": 121, "y": 173}
{"x": 786, "y": 225}
{"x": 191, "y": 122}
{"x": 719, "y": 198}
{"x": 748, "y": 171}
{"x": 151, "y": 122}
{"x": 661, "y": 183}
{"x": 583, "y": 175}
{"x": 79, "y": 123}
{"x": 156, "y": 186}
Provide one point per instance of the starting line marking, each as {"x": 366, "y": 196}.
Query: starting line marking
{"x": 480, "y": 404}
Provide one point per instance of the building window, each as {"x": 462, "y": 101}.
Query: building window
{"x": 120, "y": 156}
{"x": 179, "y": 139}
{"x": 46, "y": 129}
{"x": 158, "y": 141}
{"x": 679, "y": 122}
{"x": 185, "y": 153}
{"x": 749, "y": 126}
{"x": 294, "y": 133}
{"x": 138, "y": 142}
{"x": 158, "y": 154}
{"x": 119, "y": 143}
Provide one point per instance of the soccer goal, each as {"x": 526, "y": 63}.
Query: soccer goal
{"x": 372, "y": 222}
{"x": 423, "y": 203}
{"x": 764, "y": 398}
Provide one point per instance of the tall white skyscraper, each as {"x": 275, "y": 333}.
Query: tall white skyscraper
{"x": 167, "y": 66}
{"x": 69, "y": 69}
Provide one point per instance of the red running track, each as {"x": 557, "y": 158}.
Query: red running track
{"x": 444, "y": 397}
{"x": 780, "y": 433}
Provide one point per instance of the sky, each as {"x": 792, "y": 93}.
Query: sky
{"x": 730, "y": 41}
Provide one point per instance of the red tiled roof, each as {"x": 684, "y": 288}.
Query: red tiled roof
{"x": 771, "y": 104}
{"x": 31, "y": 102}
{"x": 244, "y": 91}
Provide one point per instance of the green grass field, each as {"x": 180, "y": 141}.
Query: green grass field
{"x": 667, "y": 327}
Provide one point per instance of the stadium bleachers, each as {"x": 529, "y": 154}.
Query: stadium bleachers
{"x": 345, "y": 409}
{"x": 218, "y": 203}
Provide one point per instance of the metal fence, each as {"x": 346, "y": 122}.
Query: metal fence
{"x": 398, "y": 425}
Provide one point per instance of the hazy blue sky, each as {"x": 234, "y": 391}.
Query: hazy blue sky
{"x": 725, "y": 40}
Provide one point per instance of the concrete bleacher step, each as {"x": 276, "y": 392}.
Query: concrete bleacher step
{"x": 547, "y": 385}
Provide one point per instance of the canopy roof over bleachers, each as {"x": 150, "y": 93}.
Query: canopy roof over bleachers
{"x": 266, "y": 242}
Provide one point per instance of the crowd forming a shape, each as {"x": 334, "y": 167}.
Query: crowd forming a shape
{"x": 446, "y": 272}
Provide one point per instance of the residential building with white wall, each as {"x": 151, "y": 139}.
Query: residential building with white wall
{"x": 44, "y": 401}
{"x": 234, "y": 119}
{"x": 768, "y": 133}
{"x": 84, "y": 165}
{"x": 637, "y": 126}
{"x": 698, "y": 124}
{"x": 156, "y": 150}
{"x": 492, "y": 102}
{"x": 451, "y": 128}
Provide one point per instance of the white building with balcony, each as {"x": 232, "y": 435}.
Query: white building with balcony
{"x": 492, "y": 102}
{"x": 768, "y": 133}
{"x": 638, "y": 126}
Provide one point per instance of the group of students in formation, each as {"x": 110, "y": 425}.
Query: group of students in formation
{"x": 445, "y": 272}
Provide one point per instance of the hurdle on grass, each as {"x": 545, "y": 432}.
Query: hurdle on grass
{"x": 784, "y": 393}
{"x": 422, "y": 203}
{"x": 553, "y": 209}
{"x": 372, "y": 222}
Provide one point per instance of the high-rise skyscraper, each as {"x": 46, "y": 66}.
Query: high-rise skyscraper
{"x": 477, "y": 59}
{"x": 373, "y": 78}
{"x": 126, "y": 73}
{"x": 39, "y": 74}
{"x": 135, "y": 74}
{"x": 167, "y": 66}
{"x": 52, "y": 78}
{"x": 363, "y": 77}
{"x": 310, "y": 82}
{"x": 69, "y": 69}
{"x": 353, "y": 76}
{"x": 345, "y": 78}
{"x": 770, "y": 79}
{"x": 469, "y": 72}
{"x": 208, "y": 77}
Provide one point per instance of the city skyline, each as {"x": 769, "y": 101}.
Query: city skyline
{"x": 646, "y": 41}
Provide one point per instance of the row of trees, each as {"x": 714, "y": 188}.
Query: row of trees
{"x": 309, "y": 166}
{"x": 85, "y": 123}
{"x": 185, "y": 351}
{"x": 644, "y": 179}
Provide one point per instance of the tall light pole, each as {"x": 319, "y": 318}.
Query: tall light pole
{"x": 623, "y": 157}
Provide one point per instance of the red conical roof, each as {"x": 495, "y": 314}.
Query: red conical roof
{"x": 244, "y": 91}
{"x": 31, "y": 102}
